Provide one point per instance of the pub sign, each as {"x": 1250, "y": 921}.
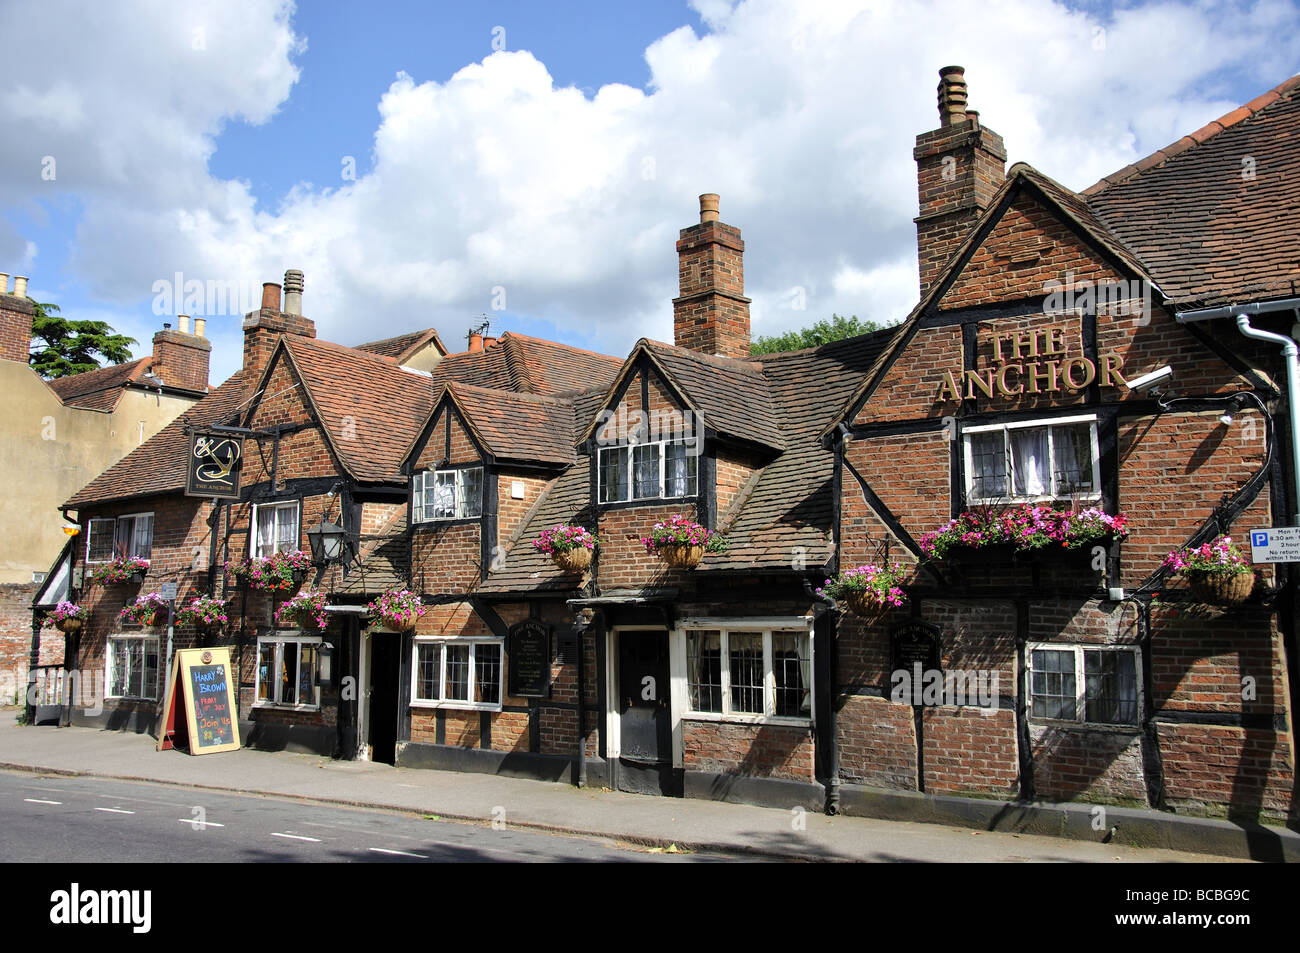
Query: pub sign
{"x": 214, "y": 464}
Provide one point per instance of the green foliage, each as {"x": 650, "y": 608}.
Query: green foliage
{"x": 72, "y": 347}
{"x": 836, "y": 328}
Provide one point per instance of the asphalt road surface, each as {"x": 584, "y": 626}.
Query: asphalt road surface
{"x": 90, "y": 820}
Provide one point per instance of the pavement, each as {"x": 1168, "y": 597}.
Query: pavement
{"x": 690, "y": 824}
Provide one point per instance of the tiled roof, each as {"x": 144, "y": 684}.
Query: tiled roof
{"x": 518, "y": 426}
{"x": 731, "y": 395}
{"x": 159, "y": 464}
{"x": 404, "y": 345}
{"x": 369, "y": 408}
{"x": 790, "y": 504}
{"x": 525, "y": 569}
{"x": 98, "y": 389}
{"x": 384, "y": 562}
{"x": 1214, "y": 216}
{"x": 530, "y": 366}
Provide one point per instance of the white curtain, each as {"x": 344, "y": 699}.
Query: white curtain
{"x": 1029, "y": 459}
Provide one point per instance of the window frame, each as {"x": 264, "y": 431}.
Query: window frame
{"x": 474, "y": 644}
{"x": 1079, "y": 651}
{"x": 280, "y": 640}
{"x": 253, "y": 545}
{"x": 724, "y": 627}
{"x": 1039, "y": 422}
{"x": 661, "y": 451}
{"x": 138, "y": 638}
{"x": 419, "y": 478}
{"x": 115, "y": 520}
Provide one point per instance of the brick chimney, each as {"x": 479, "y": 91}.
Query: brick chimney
{"x": 958, "y": 168}
{"x": 16, "y": 314}
{"x": 262, "y": 328}
{"x": 712, "y": 313}
{"x": 180, "y": 359}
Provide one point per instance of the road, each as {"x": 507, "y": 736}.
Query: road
{"x": 91, "y": 820}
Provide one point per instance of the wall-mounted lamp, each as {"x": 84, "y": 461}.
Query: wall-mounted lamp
{"x": 326, "y": 540}
{"x": 1234, "y": 406}
{"x": 324, "y": 665}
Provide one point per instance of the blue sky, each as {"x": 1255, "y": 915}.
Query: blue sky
{"x": 425, "y": 163}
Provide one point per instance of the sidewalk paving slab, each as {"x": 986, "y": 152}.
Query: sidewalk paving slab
{"x": 692, "y": 824}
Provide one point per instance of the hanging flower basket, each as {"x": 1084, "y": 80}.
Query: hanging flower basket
{"x": 570, "y": 547}
{"x": 868, "y": 591}
{"x": 306, "y": 610}
{"x": 144, "y": 611}
{"x": 278, "y": 572}
{"x": 1218, "y": 573}
{"x": 67, "y": 617}
{"x": 682, "y": 543}
{"x": 397, "y": 609}
{"x": 206, "y": 614}
{"x": 1221, "y": 589}
{"x": 121, "y": 571}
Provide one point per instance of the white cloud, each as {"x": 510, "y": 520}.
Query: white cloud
{"x": 802, "y": 118}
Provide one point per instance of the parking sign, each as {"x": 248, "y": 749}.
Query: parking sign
{"x": 1278, "y": 544}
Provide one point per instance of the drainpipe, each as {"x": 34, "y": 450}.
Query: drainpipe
{"x": 1290, "y": 354}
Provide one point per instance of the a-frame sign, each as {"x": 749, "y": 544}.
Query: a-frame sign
{"x": 200, "y": 683}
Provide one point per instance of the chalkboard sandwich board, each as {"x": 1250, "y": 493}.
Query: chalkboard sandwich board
{"x": 200, "y": 682}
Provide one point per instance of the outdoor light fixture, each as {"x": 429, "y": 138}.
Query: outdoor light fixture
{"x": 324, "y": 665}
{"x": 1233, "y": 407}
{"x": 326, "y": 541}
{"x": 71, "y": 529}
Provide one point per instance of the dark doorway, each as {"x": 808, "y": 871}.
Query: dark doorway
{"x": 645, "y": 720}
{"x": 385, "y": 659}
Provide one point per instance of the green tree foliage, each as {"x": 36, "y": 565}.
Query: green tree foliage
{"x": 62, "y": 347}
{"x": 836, "y": 328}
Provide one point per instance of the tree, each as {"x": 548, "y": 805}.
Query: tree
{"x": 836, "y": 328}
{"x": 71, "y": 347}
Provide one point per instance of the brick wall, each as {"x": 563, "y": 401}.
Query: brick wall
{"x": 711, "y": 315}
{"x": 181, "y": 359}
{"x": 16, "y": 640}
{"x": 766, "y": 751}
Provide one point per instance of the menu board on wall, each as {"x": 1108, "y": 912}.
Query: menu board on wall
{"x": 200, "y": 684}
{"x": 528, "y": 655}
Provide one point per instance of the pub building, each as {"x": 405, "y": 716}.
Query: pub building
{"x": 1109, "y": 350}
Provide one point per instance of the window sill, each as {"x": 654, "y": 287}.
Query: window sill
{"x": 745, "y": 719}
{"x": 128, "y": 698}
{"x": 1134, "y": 730}
{"x": 454, "y": 706}
{"x": 649, "y": 501}
{"x": 278, "y": 706}
{"x": 1018, "y": 500}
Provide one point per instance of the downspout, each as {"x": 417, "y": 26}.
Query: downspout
{"x": 1290, "y": 354}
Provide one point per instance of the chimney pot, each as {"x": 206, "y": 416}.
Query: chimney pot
{"x": 488, "y": 342}
{"x": 709, "y": 207}
{"x": 184, "y": 320}
{"x": 293, "y": 291}
{"x": 199, "y": 325}
{"x": 475, "y": 341}
{"x": 270, "y": 296}
{"x": 4, "y": 283}
{"x": 20, "y": 286}
{"x": 952, "y": 95}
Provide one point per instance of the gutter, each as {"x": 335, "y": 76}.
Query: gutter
{"x": 1291, "y": 357}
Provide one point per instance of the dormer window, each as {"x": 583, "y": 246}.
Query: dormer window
{"x": 447, "y": 494}
{"x": 650, "y": 471}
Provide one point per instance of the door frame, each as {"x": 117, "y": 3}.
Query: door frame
{"x": 676, "y": 687}
{"x": 365, "y": 664}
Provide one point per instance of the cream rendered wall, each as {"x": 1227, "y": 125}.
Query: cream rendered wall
{"x": 48, "y": 452}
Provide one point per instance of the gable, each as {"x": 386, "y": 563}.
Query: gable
{"x": 644, "y": 408}
{"x": 1028, "y": 251}
{"x": 447, "y": 441}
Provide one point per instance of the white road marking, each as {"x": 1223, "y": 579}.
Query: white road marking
{"x": 398, "y": 853}
{"x": 314, "y": 840}
{"x": 36, "y": 800}
{"x": 113, "y": 810}
{"x": 196, "y": 823}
